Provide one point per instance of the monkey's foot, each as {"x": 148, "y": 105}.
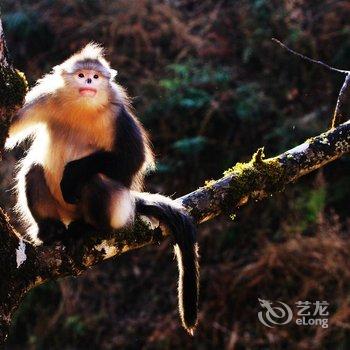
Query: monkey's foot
{"x": 150, "y": 221}
{"x": 51, "y": 230}
{"x": 155, "y": 225}
{"x": 75, "y": 234}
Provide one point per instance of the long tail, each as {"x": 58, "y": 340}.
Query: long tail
{"x": 183, "y": 229}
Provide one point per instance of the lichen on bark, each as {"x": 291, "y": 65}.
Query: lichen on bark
{"x": 13, "y": 87}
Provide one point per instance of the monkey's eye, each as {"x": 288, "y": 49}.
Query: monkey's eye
{"x": 81, "y": 75}
{"x": 95, "y": 76}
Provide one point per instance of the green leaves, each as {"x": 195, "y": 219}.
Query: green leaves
{"x": 18, "y": 21}
{"x": 315, "y": 203}
{"x": 191, "y": 85}
{"x": 190, "y": 145}
{"x": 251, "y": 102}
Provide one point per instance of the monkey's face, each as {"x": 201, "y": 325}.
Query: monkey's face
{"x": 89, "y": 86}
{"x": 88, "y": 82}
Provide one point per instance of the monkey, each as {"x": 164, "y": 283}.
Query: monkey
{"x": 86, "y": 165}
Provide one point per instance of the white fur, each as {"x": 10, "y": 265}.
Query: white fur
{"x": 155, "y": 197}
{"x": 21, "y": 208}
{"x": 122, "y": 208}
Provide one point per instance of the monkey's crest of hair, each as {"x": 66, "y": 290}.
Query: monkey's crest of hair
{"x": 89, "y": 57}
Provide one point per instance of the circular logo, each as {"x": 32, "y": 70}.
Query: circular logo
{"x": 273, "y": 315}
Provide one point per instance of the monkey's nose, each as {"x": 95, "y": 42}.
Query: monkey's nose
{"x": 88, "y": 81}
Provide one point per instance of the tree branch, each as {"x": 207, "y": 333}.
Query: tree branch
{"x": 256, "y": 180}
{"x": 339, "y": 113}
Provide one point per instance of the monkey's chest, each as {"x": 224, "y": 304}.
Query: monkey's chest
{"x": 62, "y": 149}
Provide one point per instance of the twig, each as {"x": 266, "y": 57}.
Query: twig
{"x": 310, "y": 59}
{"x": 338, "y": 114}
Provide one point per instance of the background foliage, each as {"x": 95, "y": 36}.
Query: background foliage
{"x": 211, "y": 87}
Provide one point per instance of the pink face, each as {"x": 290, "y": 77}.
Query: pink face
{"x": 89, "y": 81}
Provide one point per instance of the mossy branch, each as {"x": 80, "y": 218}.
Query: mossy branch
{"x": 255, "y": 179}
{"x": 261, "y": 177}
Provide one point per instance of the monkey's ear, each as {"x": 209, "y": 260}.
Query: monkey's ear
{"x": 114, "y": 73}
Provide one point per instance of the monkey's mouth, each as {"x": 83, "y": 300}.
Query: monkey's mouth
{"x": 87, "y": 91}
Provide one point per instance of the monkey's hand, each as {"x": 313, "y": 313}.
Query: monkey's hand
{"x": 78, "y": 172}
{"x": 75, "y": 175}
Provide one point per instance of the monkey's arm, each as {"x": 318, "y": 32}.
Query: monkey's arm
{"x": 121, "y": 164}
{"x": 24, "y": 122}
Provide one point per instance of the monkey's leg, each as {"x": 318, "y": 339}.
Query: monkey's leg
{"x": 106, "y": 204}
{"x": 43, "y": 206}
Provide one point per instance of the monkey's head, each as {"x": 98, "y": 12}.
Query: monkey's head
{"x": 87, "y": 76}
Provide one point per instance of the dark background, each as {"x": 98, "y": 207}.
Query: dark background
{"x": 211, "y": 87}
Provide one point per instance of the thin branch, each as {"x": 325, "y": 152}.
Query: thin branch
{"x": 338, "y": 115}
{"x": 306, "y": 58}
